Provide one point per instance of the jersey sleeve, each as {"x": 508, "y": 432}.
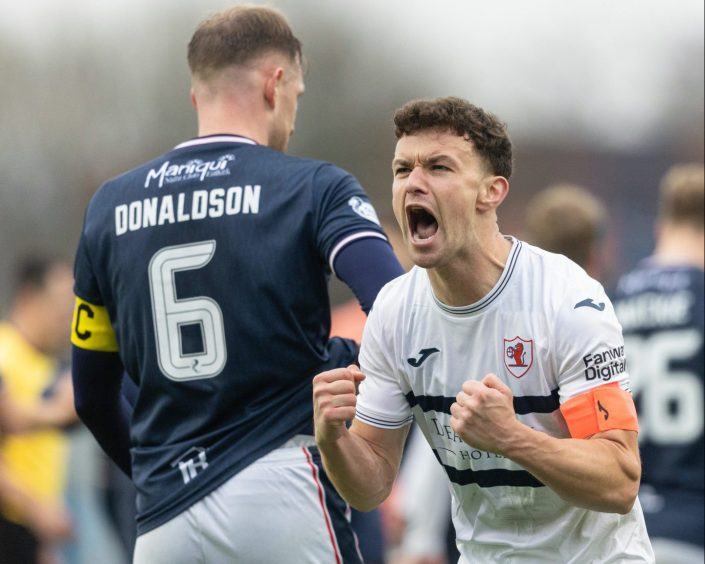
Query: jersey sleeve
{"x": 91, "y": 328}
{"x": 593, "y": 383}
{"x": 381, "y": 401}
{"x": 85, "y": 283}
{"x": 589, "y": 346}
{"x": 343, "y": 212}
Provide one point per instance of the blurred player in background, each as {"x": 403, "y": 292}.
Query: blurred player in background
{"x": 567, "y": 219}
{"x": 660, "y": 306}
{"x": 204, "y": 274}
{"x": 35, "y": 400}
{"x": 492, "y": 346}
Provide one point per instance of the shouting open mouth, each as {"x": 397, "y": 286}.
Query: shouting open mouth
{"x": 422, "y": 223}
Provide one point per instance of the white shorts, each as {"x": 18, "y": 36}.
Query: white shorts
{"x": 279, "y": 510}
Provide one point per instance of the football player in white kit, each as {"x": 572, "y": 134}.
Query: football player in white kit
{"x": 510, "y": 359}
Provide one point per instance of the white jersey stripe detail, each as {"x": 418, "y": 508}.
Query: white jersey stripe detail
{"x": 385, "y": 423}
{"x": 216, "y": 139}
{"x": 349, "y": 239}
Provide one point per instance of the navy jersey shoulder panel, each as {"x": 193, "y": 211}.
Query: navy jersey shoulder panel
{"x": 342, "y": 207}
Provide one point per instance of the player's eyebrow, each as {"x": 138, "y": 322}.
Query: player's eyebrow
{"x": 425, "y": 161}
{"x": 442, "y": 157}
{"x": 400, "y": 162}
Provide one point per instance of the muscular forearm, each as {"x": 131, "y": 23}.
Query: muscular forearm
{"x": 361, "y": 475}
{"x": 361, "y": 461}
{"x": 601, "y": 473}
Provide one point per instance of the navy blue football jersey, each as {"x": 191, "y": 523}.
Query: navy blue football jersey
{"x": 661, "y": 312}
{"x": 212, "y": 262}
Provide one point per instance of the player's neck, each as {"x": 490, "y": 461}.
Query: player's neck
{"x": 680, "y": 247}
{"x": 466, "y": 280}
{"x": 223, "y": 121}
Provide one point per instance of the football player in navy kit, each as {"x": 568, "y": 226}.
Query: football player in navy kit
{"x": 203, "y": 273}
{"x": 660, "y": 307}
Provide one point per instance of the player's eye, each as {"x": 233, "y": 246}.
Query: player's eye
{"x": 440, "y": 167}
{"x": 401, "y": 170}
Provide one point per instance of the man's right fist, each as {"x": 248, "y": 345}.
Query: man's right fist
{"x": 334, "y": 400}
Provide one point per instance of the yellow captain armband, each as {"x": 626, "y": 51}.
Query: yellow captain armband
{"x": 91, "y": 328}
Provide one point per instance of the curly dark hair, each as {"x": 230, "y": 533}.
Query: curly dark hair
{"x": 486, "y": 132}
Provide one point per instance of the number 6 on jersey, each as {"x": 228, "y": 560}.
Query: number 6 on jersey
{"x": 172, "y": 314}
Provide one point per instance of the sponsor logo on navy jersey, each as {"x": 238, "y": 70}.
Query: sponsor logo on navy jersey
{"x": 363, "y": 209}
{"x": 191, "y": 170}
{"x": 605, "y": 364}
{"x": 191, "y": 463}
{"x": 518, "y": 355}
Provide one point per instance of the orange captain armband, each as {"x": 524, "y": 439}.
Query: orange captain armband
{"x": 600, "y": 409}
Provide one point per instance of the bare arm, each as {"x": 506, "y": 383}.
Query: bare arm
{"x": 600, "y": 473}
{"x": 56, "y": 411}
{"x": 362, "y": 462}
{"x": 49, "y": 522}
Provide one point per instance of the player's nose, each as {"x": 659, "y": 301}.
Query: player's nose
{"x": 416, "y": 180}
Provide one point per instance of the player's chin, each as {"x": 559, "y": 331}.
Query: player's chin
{"x": 424, "y": 257}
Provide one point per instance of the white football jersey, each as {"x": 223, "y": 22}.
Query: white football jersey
{"x": 550, "y": 333}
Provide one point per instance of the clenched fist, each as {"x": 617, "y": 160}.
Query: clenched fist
{"x": 334, "y": 400}
{"x": 483, "y": 414}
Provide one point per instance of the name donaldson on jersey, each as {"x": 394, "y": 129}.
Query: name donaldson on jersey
{"x": 605, "y": 364}
{"x": 199, "y": 204}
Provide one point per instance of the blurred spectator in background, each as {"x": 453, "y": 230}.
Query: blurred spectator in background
{"x": 660, "y": 307}
{"x": 562, "y": 218}
{"x": 34, "y": 402}
{"x": 55, "y": 411}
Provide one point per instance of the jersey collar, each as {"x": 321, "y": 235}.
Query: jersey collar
{"x": 494, "y": 293}
{"x": 216, "y": 139}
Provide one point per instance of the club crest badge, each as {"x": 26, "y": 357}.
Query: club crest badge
{"x": 518, "y": 355}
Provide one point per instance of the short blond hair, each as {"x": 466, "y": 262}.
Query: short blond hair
{"x": 565, "y": 219}
{"x": 237, "y": 36}
{"x": 681, "y": 195}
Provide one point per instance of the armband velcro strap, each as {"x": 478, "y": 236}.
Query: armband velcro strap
{"x": 600, "y": 409}
{"x": 91, "y": 328}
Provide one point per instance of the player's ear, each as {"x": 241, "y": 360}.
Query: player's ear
{"x": 271, "y": 86}
{"x": 193, "y": 99}
{"x": 492, "y": 193}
